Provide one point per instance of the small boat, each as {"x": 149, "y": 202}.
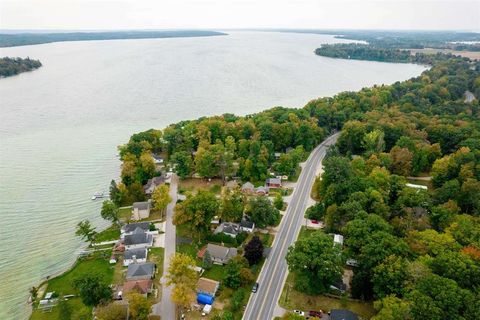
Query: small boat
{"x": 98, "y": 195}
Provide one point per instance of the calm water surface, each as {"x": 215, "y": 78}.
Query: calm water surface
{"x": 60, "y": 125}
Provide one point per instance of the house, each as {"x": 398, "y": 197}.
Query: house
{"x": 138, "y": 240}
{"x": 261, "y": 191}
{"x": 139, "y": 271}
{"x": 142, "y": 287}
{"x": 131, "y": 228}
{"x": 207, "y": 286}
{"x": 229, "y": 228}
{"x": 342, "y": 314}
{"x": 141, "y": 210}
{"x": 277, "y": 155}
{"x": 338, "y": 240}
{"x": 248, "y": 188}
{"x": 219, "y": 254}
{"x": 135, "y": 256}
{"x": 152, "y": 184}
{"x": 157, "y": 159}
{"x": 247, "y": 226}
{"x": 273, "y": 183}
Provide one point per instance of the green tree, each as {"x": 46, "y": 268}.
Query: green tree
{"x": 262, "y": 213}
{"x": 232, "y": 205}
{"x": 278, "y": 201}
{"x": 232, "y": 278}
{"x": 111, "y": 311}
{"x": 85, "y": 231}
{"x": 183, "y": 163}
{"x": 392, "y": 308}
{"x": 64, "y": 310}
{"x": 93, "y": 289}
{"x": 316, "y": 263}
{"x": 109, "y": 211}
{"x": 207, "y": 261}
{"x": 196, "y": 212}
{"x": 115, "y": 193}
{"x": 389, "y": 277}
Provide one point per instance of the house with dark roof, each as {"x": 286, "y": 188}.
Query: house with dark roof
{"x": 247, "y": 226}
{"x": 219, "y": 254}
{"x": 141, "y": 210}
{"x": 134, "y": 227}
{"x": 157, "y": 159}
{"x": 135, "y": 256}
{"x": 261, "y": 191}
{"x": 273, "y": 183}
{"x": 137, "y": 240}
{"x": 152, "y": 184}
{"x": 342, "y": 314}
{"x": 140, "y": 271}
{"x": 229, "y": 228}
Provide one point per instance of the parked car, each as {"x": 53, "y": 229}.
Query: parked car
{"x": 317, "y": 314}
{"x": 255, "y": 287}
{"x": 300, "y": 313}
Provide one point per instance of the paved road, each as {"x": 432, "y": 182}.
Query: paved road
{"x": 272, "y": 277}
{"x": 166, "y": 309}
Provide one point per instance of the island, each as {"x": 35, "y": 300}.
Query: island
{"x": 24, "y": 39}
{"x": 12, "y": 66}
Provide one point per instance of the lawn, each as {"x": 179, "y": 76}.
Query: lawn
{"x": 125, "y": 213}
{"x": 193, "y": 184}
{"x": 111, "y": 233}
{"x": 63, "y": 284}
{"x": 216, "y": 272}
{"x": 291, "y": 299}
{"x": 156, "y": 255}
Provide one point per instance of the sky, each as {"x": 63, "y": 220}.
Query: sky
{"x": 229, "y": 14}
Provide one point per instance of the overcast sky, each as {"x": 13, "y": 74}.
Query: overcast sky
{"x": 167, "y": 14}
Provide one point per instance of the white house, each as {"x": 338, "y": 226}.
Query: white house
{"x": 229, "y": 228}
{"x": 338, "y": 240}
{"x": 135, "y": 256}
{"x": 247, "y": 226}
{"x": 219, "y": 254}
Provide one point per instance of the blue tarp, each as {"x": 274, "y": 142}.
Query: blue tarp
{"x": 203, "y": 298}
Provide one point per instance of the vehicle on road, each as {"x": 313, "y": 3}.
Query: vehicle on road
{"x": 300, "y": 313}
{"x": 255, "y": 287}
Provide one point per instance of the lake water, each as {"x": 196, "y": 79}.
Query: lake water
{"x": 61, "y": 124}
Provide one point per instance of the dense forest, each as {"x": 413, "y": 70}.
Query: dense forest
{"x": 23, "y": 39}
{"x": 13, "y": 66}
{"x": 418, "y": 251}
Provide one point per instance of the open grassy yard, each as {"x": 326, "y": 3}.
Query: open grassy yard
{"x": 291, "y": 299}
{"x": 192, "y": 184}
{"x": 63, "y": 285}
{"x": 125, "y": 213}
{"x": 111, "y": 233}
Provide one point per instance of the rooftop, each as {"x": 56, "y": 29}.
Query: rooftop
{"x": 138, "y": 253}
{"x": 144, "y": 205}
{"x": 140, "y": 286}
{"x": 207, "y": 285}
{"x": 138, "y": 238}
{"x": 133, "y": 226}
{"x": 146, "y": 270}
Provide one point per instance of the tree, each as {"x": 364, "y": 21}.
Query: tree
{"x": 389, "y": 277}
{"x": 183, "y": 277}
{"x": 33, "y": 293}
{"x": 115, "y": 193}
{"x": 232, "y": 205}
{"x": 401, "y": 161}
{"x": 85, "y": 231}
{"x": 161, "y": 197}
{"x": 236, "y": 302}
{"x": 374, "y": 142}
{"x": 253, "y": 251}
{"x": 207, "y": 261}
{"x": 109, "y": 211}
{"x": 196, "y": 212}
{"x": 111, "y": 311}
{"x": 262, "y": 213}
{"x": 92, "y": 289}
{"x": 138, "y": 306}
{"x": 278, "y": 201}
{"x": 392, "y": 308}
{"x": 316, "y": 263}
{"x": 183, "y": 163}
{"x": 232, "y": 277}
{"x": 64, "y": 310}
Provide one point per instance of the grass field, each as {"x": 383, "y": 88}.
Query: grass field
{"x": 192, "y": 184}
{"x": 111, "y": 233}
{"x": 63, "y": 285}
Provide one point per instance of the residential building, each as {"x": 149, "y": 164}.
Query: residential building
{"x": 152, "y": 184}
{"x": 140, "y": 271}
{"x": 143, "y": 287}
{"x": 247, "y": 226}
{"x": 138, "y": 240}
{"x": 229, "y": 228}
{"x": 274, "y": 183}
{"x": 219, "y": 254}
{"x": 338, "y": 240}
{"x": 207, "y": 286}
{"x": 342, "y": 314}
{"x": 135, "y": 256}
{"x": 261, "y": 191}
{"x": 248, "y": 188}
{"x": 141, "y": 210}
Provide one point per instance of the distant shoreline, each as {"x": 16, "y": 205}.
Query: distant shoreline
{"x": 25, "y": 39}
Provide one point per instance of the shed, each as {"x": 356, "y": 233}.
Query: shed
{"x": 203, "y": 298}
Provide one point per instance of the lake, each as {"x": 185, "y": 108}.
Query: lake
{"x": 61, "y": 124}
